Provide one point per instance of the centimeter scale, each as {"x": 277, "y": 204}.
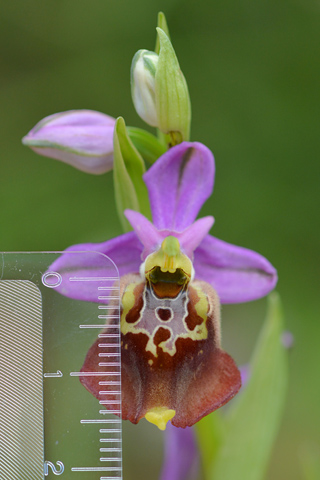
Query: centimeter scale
{"x": 50, "y": 425}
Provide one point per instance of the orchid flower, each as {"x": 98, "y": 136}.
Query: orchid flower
{"x": 172, "y": 276}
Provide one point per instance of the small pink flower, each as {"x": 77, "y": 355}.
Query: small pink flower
{"x": 81, "y": 138}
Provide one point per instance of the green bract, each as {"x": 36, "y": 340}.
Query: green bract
{"x": 130, "y": 189}
{"x": 172, "y": 95}
{"x": 162, "y": 23}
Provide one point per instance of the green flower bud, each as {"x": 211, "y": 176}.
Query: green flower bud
{"x": 143, "y": 71}
{"x": 160, "y": 92}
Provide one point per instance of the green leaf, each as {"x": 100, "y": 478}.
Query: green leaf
{"x": 252, "y": 423}
{"x": 210, "y": 433}
{"x": 130, "y": 189}
{"x": 172, "y": 96}
{"x": 146, "y": 143}
{"x": 162, "y": 23}
{"x": 310, "y": 461}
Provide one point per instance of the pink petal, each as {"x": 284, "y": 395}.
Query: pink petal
{"x": 147, "y": 233}
{"x": 179, "y": 183}
{"x": 236, "y": 273}
{"x": 124, "y": 251}
{"x": 192, "y": 237}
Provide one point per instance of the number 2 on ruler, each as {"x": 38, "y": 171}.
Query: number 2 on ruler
{"x": 53, "y": 468}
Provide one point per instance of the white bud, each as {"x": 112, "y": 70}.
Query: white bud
{"x": 143, "y": 71}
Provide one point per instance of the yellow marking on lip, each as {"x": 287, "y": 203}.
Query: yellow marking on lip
{"x": 128, "y": 301}
{"x": 160, "y": 416}
{"x": 202, "y": 304}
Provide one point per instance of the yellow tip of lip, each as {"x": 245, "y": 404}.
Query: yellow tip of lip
{"x": 160, "y": 416}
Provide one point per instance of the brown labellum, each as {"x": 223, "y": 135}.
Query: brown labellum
{"x": 171, "y": 356}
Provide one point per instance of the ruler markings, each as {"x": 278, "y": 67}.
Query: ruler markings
{"x": 111, "y": 478}
{"x": 109, "y": 392}
{"x": 110, "y": 383}
{"x": 116, "y": 403}
{"x": 110, "y": 440}
{"x": 106, "y": 450}
{"x": 106, "y": 412}
{"x": 96, "y": 469}
{"x": 100, "y": 325}
{"x": 107, "y": 307}
{"x": 116, "y": 355}
{"x": 108, "y": 297}
{"x": 99, "y": 421}
{"x": 109, "y": 364}
{"x": 93, "y": 374}
{"x": 92, "y": 279}
{"x": 109, "y": 354}
{"x": 108, "y": 288}
{"x": 110, "y": 459}
{"x": 109, "y": 335}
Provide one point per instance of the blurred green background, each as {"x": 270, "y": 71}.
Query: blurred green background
{"x": 253, "y": 74}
